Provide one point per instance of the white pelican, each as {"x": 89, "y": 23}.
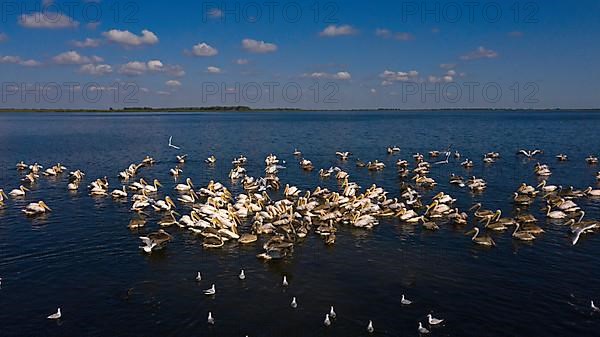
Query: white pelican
{"x": 21, "y": 166}
{"x": 73, "y": 186}
{"x": 370, "y": 328}
{"x": 2, "y": 197}
{"x": 484, "y": 240}
{"x": 122, "y": 193}
{"x": 56, "y": 315}
{"x": 210, "y": 319}
{"x": 327, "y": 321}
{"x": 423, "y": 330}
{"x": 175, "y": 171}
{"x": 164, "y": 205}
{"x": 211, "y": 160}
{"x": 580, "y": 230}
{"x": 36, "y": 208}
{"x": 591, "y": 192}
{"x": 242, "y": 276}
{"x": 185, "y": 187}
{"x": 181, "y": 159}
{"x": 211, "y": 291}
{"x": 405, "y": 301}
{"x": 297, "y": 152}
{"x": 294, "y": 304}
{"x": 19, "y": 192}
{"x": 529, "y": 153}
{"x": 171, "y": 144}
{"x": 433, "y": 321}
{"x": 188, "y": 198}
{"x": 154, "y": 187}
{"x": 285, "y": 282}
{"x": 547, "y": 188}
{"x": 591, "y": 159}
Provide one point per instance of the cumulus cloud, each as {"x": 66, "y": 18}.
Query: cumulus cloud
{"x": 447, "y": 65}
{"x": 18, "y": 60}
{"x": 3, "y": 37}
{"x": 255, "y": 46}
{"x": 480, "y": 53}
{"x": 73, "y": 57}
{"x": 96, "y": 69}
{"x": 204, "y": 50}
{"x": 341, "y": 75}
{"x": 213, "y": 70}
{"x": 173, "y": 83}
{"x": 335, "y": 30}
{"x": 387, "y": 34}
{"x": 389, "y": 76}
{"x": 129, "y": 39}
{"x": 47, "y": 20}
{"x": 87, "y": 43}
{"x": 137, "y": 68}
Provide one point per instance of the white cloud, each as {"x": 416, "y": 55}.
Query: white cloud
{"x": 213, "y": 70}
{"x": 447, "y": 65}
{"x": 47, "y": 20}
{"x": 96, "y": 69}
{"x": 129, "y": 39}
{"x": 334, "y": 30}
{"x": 341, "y": 75}
{"x": 400, "y": 36}
{"x": 163, "y": 93}
{"x": 255, "y": 46}
{"x": 203, "y": 49}
{"x": 480, "y": 53}
{"x": 137, "y": 68}
{"x": 173, "y": 83}
{"x": 389, "y": 77}
{"x": 87, "y": 43}
{"x": 215, "y": 13}
{"x": 241, "y": 61}
{"x": 134, "y": 68}
{"x": 73, "y": 57}
{"x": 18, "y": 60}
{"x": 3, "y": 37}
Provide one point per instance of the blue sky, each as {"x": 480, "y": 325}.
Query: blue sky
{"x": 300, "y": 54}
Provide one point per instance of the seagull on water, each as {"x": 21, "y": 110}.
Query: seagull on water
{"x": 327, "y": 321}
{"x": 370, "y": 328}
{"x": 294, "y": 304}
{"x": 56, "y": 315}
{"x": 285, "y": 282}
{"x": 332, "y": 313}
{"x": 171, "y": 144}
{"x": 405, "y": 301}
{"x": 423, "y": 330}
{"x": 433, "y": 321}
{"x": 594, "y": 307}
{"x": 242, "y": 275}
{"x": 198, "y": 277}
{"x": 580, "y": 230}
{"x": 210, "y": 319}
{"x": 210, "y": 291}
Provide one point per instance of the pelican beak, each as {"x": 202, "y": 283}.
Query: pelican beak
{"x": 3, "y": 194}
{"x": 25, "y": 188}
{"x": 471, "y": 232}
{"x": 158, "y": 183}
{"x": 43, "y": 204}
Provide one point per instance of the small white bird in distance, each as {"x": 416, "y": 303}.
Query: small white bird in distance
{"x": 294, "y": 304}
{"x": 56, "y": 315}
{"x": 370, "y": 328}
{"x": 434, "y": 321}
{"x": 285, "y": 282}
{"x": 242, "y": 276}
{"x": 405, "y": 301}
{"x": 210, "y": 319}
{"x": 171, "y": 144}
{"x": 423, "y": 330}
{"x": 594, "y": 307}
{"x": 210, "y": 291}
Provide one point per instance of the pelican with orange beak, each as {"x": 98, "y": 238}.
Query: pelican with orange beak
{"x": 36, "y": 208}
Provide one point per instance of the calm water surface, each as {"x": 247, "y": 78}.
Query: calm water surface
{"x": 83, "y": 258}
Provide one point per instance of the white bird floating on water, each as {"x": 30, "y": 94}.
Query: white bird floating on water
{"x": 423, "y": 330}
{"x": 434, "y": 321}
{"x": 405, "y": 301}
{"x": 242, "y": 275}
{"x": 285, "y": 282}
{"x": 56, "y": 315}
{"x": 210, "y": 319}
{"x": 210, "y": 291}
{"x": 171, "y": 144}
{"x": 294, "y": 304}
{"x": 594, "y": 307}
{"x": 332, "y": 313}
{"x": 327, "y": 321}
{"x": 370, "y": 328}
{"x": 580, "y": 230}
{"x": 198, "y": 277}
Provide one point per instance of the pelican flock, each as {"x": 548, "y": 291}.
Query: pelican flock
{"x": 280, "y": 215}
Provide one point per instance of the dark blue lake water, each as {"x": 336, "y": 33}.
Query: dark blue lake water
{"x": 83, "y": 258}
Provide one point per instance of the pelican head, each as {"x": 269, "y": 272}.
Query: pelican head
{"x": 188, "y": 181}
{"x": 44, "y": 206}
{"x": 157, "y": 183}
{"x": 2, "y": 194}
{"x": 169, "y": 201}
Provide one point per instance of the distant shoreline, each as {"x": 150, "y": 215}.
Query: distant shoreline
{"x": 249, "y": 109}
